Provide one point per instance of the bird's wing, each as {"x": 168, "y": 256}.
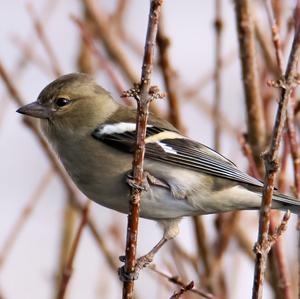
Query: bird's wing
{"x": 172, "y": 148}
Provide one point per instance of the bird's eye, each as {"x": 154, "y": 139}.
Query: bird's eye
{"x": 60, "y": 102}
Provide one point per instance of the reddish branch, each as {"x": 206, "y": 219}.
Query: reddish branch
{"x": 294, "y": 146}
{"x": 69, "y": 266}
{"x": 271, "y": 164}
{"x": 144, "y": 95}
{"x": 183, "y": 290}
{"x": 255, "y": 117}
{"x": 169, "y": 75}
{"x": 178, "y": 281}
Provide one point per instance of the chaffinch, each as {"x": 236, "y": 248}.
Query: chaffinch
{"x": 94, "y": 137}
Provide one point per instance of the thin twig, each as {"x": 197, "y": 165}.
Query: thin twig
{"x": 66, "y": 239}
{"x": 271, "y": 165}
{"x": 69, "y": 266}
{"x": 217, "y": 74}
{"x": 183, "y": 290}
{"x": 110, "y": 41}
{"x": 144, "y": 94}
{"x": 255, "y": 117}
{"x": 24, "y": 216}
{"x": 29, "y": 55}
{"x": 226, "y": 61}
{"x": 226, "y": 228}
{"x": 44, "y": 41}
{"x": 85, "y": 58}
{"x": 102, "y": 61}
{"x": 177, "y": 280}
{"x": 284, "y": 285}
{"x": 169, "y": 75}
{"x": 204, "y": 254}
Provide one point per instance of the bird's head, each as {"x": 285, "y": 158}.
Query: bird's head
{"x": 71, "y": 102}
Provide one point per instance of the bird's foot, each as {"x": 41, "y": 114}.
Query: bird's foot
{"x": 130, "y": 181}
{"x": 141, "y": 263}
{"x": 148, "y": 180}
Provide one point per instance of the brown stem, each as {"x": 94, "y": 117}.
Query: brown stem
{"x": 110, "y": 42}
{"x": 66, "y": 239}
{"x": 204, "y": 253}
{"x": 184, "y": 289}
{"x": 103, "y": 63}
{"x": 177, "y": 280}
{"x": 284, "y": 285}
{"x": 217, "y": 73}
{"x": 169, "y": 75}
{"x": 145, "y": 95}
{"x": 69, "y": 266}
{"x": 271, "y": 165}
{"x": 255, "y": 117}
{"x": 45, "y": 42}
{"x": 85, "y": 58}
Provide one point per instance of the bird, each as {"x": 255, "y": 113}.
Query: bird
{"x": 94, "y": 136}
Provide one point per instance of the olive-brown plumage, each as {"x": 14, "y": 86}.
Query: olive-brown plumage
{"x": 94, "y": 137}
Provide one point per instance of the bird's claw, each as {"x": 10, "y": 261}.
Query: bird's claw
{"x": 122, "y": 258}
{"x": 141, "y": 263}
{"x": 125, "y": 276}
{"x": 130, "y": 181}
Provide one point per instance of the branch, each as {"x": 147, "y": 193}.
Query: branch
{"x": 271, "y": 165}
{"x": 69, "y": 266}
{"x": 217, "y": 73}
{"x": 44, "y": 41}
{"x": 177, "y": 280}
{"x": 169, "y": 75}
{"x": 144, "y": 94}
{"x": 110, "y": 42}
{"x": 255, "y": 117}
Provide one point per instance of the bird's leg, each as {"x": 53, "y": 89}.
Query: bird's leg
{"x": 148, "y": 180}
{"x": 130, "y": 181}
{"x": 141, "y": 262}
{"x": 152, "y": 180}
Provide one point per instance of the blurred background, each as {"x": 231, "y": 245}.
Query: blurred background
{"x": 199, "y": 68}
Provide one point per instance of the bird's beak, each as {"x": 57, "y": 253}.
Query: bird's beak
{"x": 35, "y": 109}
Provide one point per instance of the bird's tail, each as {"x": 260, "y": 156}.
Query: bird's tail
{"x": 285, "y": 202}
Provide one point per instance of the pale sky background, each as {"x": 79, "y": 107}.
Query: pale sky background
{"x": 29, "y": 269}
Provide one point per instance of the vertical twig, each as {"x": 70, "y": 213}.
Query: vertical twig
{"x": 255, "y": 117}
{"x": 66, "y": 238}
{"x": 69, "y": 266}
{"x": 294, "y": 145}
{"x": 271, "y": 164}
{"x": 217, "y": 74}
{"x": 145, "y": 95}
{"x": 204, "y": 254}
{"x": 45, "y": 42}
{"x": 163, "y": 43}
